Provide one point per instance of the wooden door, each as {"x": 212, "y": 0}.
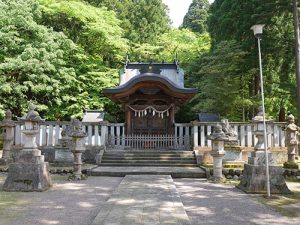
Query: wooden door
{"x": 150, "y": 124}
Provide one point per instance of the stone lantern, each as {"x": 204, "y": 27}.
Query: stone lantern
{"x": 291, "y": 138}
{"x": 255, "y": 176}
{"x": 258, "y": 155}
{"x": 77, "y": 147}
{"x": 7, "y": 136}
{"x": 218, "y": 137}
{"x": 29, "y": 172}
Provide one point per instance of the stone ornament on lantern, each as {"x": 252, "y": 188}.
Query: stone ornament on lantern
{"x": 218, "y": 137}
{"x": 29, "y": 172}
{"x": 7, "y": 136}
{"x": 292, "y": 132}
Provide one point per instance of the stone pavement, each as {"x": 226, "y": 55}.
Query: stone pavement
{"x": 78, "y": 203}
{"x": 144, "y": 199}
{"x": 207, "y": 203}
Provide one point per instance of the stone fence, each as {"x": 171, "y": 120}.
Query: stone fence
{"x": 113, "y": 134}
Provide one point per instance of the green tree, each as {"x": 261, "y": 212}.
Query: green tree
{"x": 196, "y": 17}
{"x": 97, "y": 33}
{"x": 232, "y": 20}
{"x": 34, "y": 61}
{"x": 217, "y": 77}
{"x": 184, "y": 43}
{"x": 142, "y": 20}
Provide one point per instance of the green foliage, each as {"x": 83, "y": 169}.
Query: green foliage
{"x": 232, "y": 20}
{"x": 196, "y": 17}
{"x": 184, "y": 43}
{"x": 94, "y": 29}
{"x": 217, "y": 77}
{"x": 33, "y": 60}
{"x": 142, "y": 20}
{"x": 97, "y": 33}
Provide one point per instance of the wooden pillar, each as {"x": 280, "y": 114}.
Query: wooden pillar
{"x": 128, "y": 120}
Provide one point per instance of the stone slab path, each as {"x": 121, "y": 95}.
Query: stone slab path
{"x": 175, "y": 172}
{"x": 144, "y": 200}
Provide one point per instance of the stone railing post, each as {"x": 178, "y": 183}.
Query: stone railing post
{"x": 195, "y": 135}
{"x": 7, "y": 136}
{"x": 291, "y": 138}
{"x": 77, "y": 147}
{"x": 29, "y": 172}
{"x": 104, "y": 129}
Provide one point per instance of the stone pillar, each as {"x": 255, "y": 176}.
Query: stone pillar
{"x": 29, "y": 172}
{"x": 77, "y": 147}
{"x": 7, "y": 136}
{"x": 291, "y": 138}
{"x": 218, "y": 137}
{"x": 254, "y": 175}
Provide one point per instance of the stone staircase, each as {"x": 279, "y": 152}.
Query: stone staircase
{"x": 178, "y": 164}
{"x": 149, "y": 158}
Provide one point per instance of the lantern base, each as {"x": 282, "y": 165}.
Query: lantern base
{"x": 254, "y": 180}
{"x": 5, "y": 162}
{"x": 28, "y": 177}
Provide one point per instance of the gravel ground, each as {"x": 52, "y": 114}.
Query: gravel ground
{"x": 78, "y": 203}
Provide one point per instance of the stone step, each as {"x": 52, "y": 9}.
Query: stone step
{"x": 175, "y": 172}
{"x": 105, "y": 157}
{"x": 158, "y": 152}
{"x": 148, "y": 164}
{"x": 147, "y": 155}
{"x": 146, "y": 161}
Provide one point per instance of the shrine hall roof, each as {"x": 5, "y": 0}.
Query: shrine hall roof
{"x": 150, "y": 81}
{"x": 148, "y": 77}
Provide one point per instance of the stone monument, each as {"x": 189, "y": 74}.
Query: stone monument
{"x": 29, "y": 172}
{"x": 291, "y": 137}
{"x": 7, "y": 137}
{"x": 218, "y": 137}
{"x": 77, "y": 147}
{"x": 254, "y": 175}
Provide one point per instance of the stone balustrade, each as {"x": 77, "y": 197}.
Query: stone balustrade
{"x": 188, "y": 134}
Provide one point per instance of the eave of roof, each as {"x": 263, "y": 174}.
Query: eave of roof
{"x": 149, "y": 77}
{"x": 149, "y": 80}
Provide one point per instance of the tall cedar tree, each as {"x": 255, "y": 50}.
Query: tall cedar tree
{"x": 196, "y": 17}
{"x": 232, "y": 20}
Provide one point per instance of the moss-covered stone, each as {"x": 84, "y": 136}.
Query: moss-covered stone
{"x": 291, "y": 165}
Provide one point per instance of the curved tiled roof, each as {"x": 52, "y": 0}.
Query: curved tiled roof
{"x": 149, "y": 77}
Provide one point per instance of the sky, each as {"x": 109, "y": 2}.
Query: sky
{"x": 178, "y": 9}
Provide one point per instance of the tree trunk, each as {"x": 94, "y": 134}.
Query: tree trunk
{"x": 297, "y": 49}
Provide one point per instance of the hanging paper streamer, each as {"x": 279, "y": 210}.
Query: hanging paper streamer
{"x": 151, "y": 110}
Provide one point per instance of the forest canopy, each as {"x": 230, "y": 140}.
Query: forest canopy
{"x": 60, "y": 54}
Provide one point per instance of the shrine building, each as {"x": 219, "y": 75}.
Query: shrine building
{"x": 150, "y": 94}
